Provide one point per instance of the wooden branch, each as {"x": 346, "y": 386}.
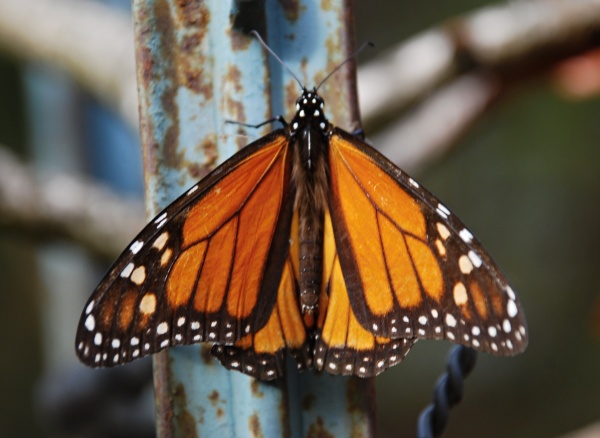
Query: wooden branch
{"x": 512, "y": 37}
{"x": 62, "y": 206}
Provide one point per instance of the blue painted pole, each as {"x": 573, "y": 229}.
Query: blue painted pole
{"x": 194, "y": 73}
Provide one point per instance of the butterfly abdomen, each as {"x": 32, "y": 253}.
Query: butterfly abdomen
{"x": 310, "y": 178}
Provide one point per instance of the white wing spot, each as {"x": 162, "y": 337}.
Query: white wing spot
{"x": 494, "y": 346}
{"x": 134, "y": 341}
{"x": 438, "y": 329}
{"x": 422, "y": 320}
{"x": 511, "y": 309}
{"x": 375, "y": 327}
{"x": 413, "y": 183}
{"x": 475, "y": 343}
{"x": 492, "y": 331}
{"x": 317, "y": 113}
{"x": 450, "y": 335}
{"x": 465, "y": 265}
{"x": 450, "y": 320}
{"x": 511, "y": 293}
{"x": 98, "y": 338}
{"x": 212, "y": 335}
{"x": 460, "y": 294}
{"x": 166, "y": 256}
{"x": 138, "y": 276}
{"x": 116, "y": 358}
{"x": 405, "y": 319}
{"x": 422, "y": 332}
{"x": 89, "y": 307}
{"x": 195, "y": 325}
{"x": 116, "y": 343}
{"x": 90, "y": 323}
{"x": 97, "y": 358}
{"x": 136, "y": 246}
{"x": 301, "y": 113}
{"x": 161, "y": 240}
{"x": 475, "y": 259}
{"x": 146, "y": 346}
{"x": 164, "y": 343}
{"x": 506, "y": 326}
{"x": 148, "y": 304}
{"x": 161, "y": 217}
{"x": 442, "y": 211}
{"x": 192, "y": 190}
{"x": 135, "y": 353}
{"x": 162, "y": 328}
{"x": 443, "y": 230}
{"x": 440, "y": 247}
{"x": 349, "y": 367}
{"x": 332, "y": 366}
{"x": 465, "y": 235}
{"x": 181, "y": 321}
{"x": 509, "y": 344}
{"x": 380, "y": 364}
{"x": 126, "y": 272}
{"x": 476, "y": 331}
{"x": 434, "y": 313}
{"x": 197, "y": 338}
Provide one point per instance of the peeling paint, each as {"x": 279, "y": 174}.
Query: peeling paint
{"x": 254, "y": 425}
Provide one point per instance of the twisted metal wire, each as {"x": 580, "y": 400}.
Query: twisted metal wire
{"x": 448, "y": 392}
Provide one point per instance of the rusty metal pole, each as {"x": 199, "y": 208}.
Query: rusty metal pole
{"x": 195, "y": 71}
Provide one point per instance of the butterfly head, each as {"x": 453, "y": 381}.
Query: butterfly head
{"x": 309, "y": 112}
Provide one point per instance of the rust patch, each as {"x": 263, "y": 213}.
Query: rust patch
{"x": 317, "y": 430}
{"x": 211, "y": 154}
{"x": 205, "y": 355}
{"x": 254, "y": 424}
{"x": 184, "y": 422}
{"x": 326, "y": 5}
{"x": 191, "y": 42}
{"x": 233, "y": 76}
{"x": 255, "y": 388}
{"x": 191, "y": 12}
{"x": 214, "y": 398}
{"x": 292, "y": 9}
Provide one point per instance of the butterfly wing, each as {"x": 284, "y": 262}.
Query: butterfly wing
{"x": 205, "y": 269}
{"x": 343, "y": 345}
{"x": 262, "y": 354}
{"x": 410, "y": 267}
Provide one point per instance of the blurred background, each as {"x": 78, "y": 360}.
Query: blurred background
{"x": 520, "y": 169}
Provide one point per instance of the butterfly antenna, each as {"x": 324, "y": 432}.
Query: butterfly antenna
{"x": 274, "y": 55}
{"x": 353, "y": 55}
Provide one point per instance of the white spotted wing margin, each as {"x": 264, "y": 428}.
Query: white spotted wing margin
{"x": 474, "y": 306}
{"x": 135, "y": 311}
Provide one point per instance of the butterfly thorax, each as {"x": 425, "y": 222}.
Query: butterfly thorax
{"x": 309, "y": 131}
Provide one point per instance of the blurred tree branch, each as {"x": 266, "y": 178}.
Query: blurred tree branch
{"x": 53, "y": 206}
{"x": 428, "y": 90}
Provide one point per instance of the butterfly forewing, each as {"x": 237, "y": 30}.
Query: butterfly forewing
{"x": 202, "y": 269}
{"x": 411, "y": 268}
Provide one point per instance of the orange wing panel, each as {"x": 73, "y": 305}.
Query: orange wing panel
{"x": 380, "y": 188}
{"x": 364, "y": 240}
{"x": 226, "y": 197}
{"x": 213, "y": 281}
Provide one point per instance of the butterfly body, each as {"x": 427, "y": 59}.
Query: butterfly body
{"x": 307, "y": 241}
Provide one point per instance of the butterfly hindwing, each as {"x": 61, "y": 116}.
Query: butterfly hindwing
{"x": 411, "y": 268}
{"x": 262, "y": 354}
{"x": 197, "y": 271}
{"x": 343, "y": 345}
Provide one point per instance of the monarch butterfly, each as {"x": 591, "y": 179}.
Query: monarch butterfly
{"x": 306, "y": 240}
